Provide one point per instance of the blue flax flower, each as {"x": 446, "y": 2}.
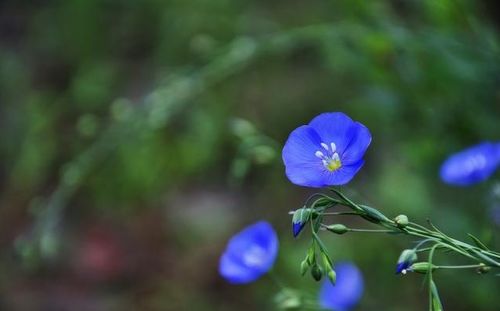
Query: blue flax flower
{"x": 346, "y": 292}
{"x": 326, "y": 152}
{"x": 249, "y": 254}
{"x": 471, "y": 165}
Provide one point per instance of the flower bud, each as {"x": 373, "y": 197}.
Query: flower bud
{"x": 373, "y": 215}
{"x": 407, "y": 257}
{"x": 316, "y": 272}
{"x": 337, "y": 228}
{"x": 304, "y": 266}
{"x": 483, "y": 269}
{"x": 332, "y": 276}
{"x": 311, "y": 256}
{"x": 422, "y": 267}
{"x": 401, "y": 221}
{"x": 299, "y": 220}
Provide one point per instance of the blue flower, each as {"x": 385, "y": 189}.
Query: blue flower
{"x": 249, "y": 254}
{"x": 326, "y": 152}
{"x": 346, "y": 292}
{"x": 471, "y": 165}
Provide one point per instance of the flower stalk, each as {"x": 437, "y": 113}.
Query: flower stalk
{"x": 319, "y": 205}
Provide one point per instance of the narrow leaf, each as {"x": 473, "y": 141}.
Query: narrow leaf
{"x": 478, "y": 242}
{"x": 436, "y": 301}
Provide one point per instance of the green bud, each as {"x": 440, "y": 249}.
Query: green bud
{"x": 483, "y": 269}
{"x": 316, "y": 272}
{"x": 408, "y": 255}
{"x": 304, "y": 266}
{"x": 332, "y": 276}
{"x": 373, "y": 215}
{"x": 326, "y": 261}
{"x": 337, "y": 228}
{"x": 422, "y": 267}
{"x": 401, "y": 221}
{"x": 302, "y": 215}
{"x": 311, "y": 256}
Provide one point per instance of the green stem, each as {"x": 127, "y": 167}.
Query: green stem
{"x": 460, "y": 267}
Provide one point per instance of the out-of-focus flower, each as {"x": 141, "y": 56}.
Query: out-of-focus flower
{"x": 346, "y": 292}
{"x": 326, "y": 152}
{"x": 249, "y": 254}
{"x": 471, "y": 165}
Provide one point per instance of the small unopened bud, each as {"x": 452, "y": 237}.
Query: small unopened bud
{"x": 304, "y": 266}
{"x": 316, "y": 272}
{"x": 311, "y": 256}
{"x": 407, "y": 257}
{"x": 332, "y": 276}
{"x": 483, "y": 269}
{"x": 299, "y": 220}
{"x": 337, "y": 228}
{"x": 422, "y": 267}
{"x": 401, "y": 221}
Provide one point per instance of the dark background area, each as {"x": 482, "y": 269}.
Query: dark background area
{"x": 138, "y": 136}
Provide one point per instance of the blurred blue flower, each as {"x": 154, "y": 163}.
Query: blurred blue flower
{"x": 471, "y": 165}
{"x": 249, "y": 254}
{"x": 326, "y": 152}
{"x": 346, "y": 292}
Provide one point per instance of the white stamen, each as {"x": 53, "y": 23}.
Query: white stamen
{"x": 334, "y": 147}
{"x": 403, "y": 271}
{"x": 319, "y": 154}
{"x": 330, "y": 158}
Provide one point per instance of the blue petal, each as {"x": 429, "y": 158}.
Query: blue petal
{"x": 301, "y": 146}
{"x": 302, "y": 166}
{"x": 402, "y": 266}
{"x": 235, "y": 272}
{"x": 249, "y": 254}
{"x": 347, "y": 291}
{"x": 471, "y": 165}
{"x": 358, "y": 145}
{"x": 297, "y": 227}
{"x": 335, "y": 127}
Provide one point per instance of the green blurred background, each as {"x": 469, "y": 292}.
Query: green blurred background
{"x": 138, "y": 136}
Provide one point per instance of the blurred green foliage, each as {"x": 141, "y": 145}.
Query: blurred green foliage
{"x": 116, "y": 117}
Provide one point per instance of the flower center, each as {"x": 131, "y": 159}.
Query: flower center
{"x": 329, "y": 157}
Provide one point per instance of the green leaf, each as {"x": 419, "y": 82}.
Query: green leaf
{"x": 436, "y": 301}
{"x": 478, "y": 242}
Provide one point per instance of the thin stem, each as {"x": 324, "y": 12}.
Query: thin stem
{"x": 371, "y": 230}
{"x": 339, "y": 213}
{"x": 460, "y": 267}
